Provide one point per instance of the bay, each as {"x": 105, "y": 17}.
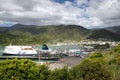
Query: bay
{"x": 1, "y": 50}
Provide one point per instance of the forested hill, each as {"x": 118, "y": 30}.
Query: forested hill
{"x": 27, "y": 34}
{"x": 103, "y": 34}
{"x": 32, "y": 34}
{"x": 115, "y": 29}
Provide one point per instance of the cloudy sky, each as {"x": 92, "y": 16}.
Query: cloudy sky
{"x": 88, "y": 13}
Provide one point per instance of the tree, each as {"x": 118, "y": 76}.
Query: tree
{"x": 90, "y": 70}
{"x": 23, "y": 69}
{"x": 59, "y": 74}
{"x": 96, "y": 55}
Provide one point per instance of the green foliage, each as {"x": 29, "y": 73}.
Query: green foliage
{"x": 42, "y": 72}
{"x": 117, "y": 59}
{"x": 96, "y": 55}
{"x": 59, "y": 74}
{"x": 90, "y": 70}
{"x": 103, "y": 34}
{"x": 28, "y": 34}
{"x": 117, "y": 49}
{"x": 115, "y": 71}
{"x": 73, "y": 75}
{"x": 114, "y": 56}
{"x": 22, "y": 70}
{"x": 39, "y": 34}
{"x": 113, "y": 60}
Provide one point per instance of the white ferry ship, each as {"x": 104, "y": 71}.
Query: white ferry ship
{"x": 20, "y": 50}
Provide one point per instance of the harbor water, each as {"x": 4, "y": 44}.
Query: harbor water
{"x": 1, "y": 50}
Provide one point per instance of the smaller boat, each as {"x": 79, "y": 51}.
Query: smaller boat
{"x": 15, "y": 50}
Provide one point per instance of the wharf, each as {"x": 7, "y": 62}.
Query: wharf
{"x": 29, "y": 57}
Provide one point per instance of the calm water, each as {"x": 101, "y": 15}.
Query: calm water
{"x": 1, "y": 50}
{"x": 65, "y": 47}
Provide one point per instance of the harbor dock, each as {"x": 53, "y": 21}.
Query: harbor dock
{"x": 29, "y": 57}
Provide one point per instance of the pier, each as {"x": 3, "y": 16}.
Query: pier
{"x": 29, "y": 57}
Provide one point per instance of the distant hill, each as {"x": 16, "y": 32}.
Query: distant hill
{"x": 102, "y": 34}
{"x": 27, "y": 34}
{"x": 32, "y": 34}
{"x": 3, "y": 28}
{"x": 115, "y": 29}
{"x": 17, "y": 26}
{"x": 53, "y": 30}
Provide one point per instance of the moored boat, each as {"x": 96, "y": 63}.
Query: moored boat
{"x": 16, "y": 50}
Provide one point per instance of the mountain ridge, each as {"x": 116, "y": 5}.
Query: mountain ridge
{"x": 115, "y": 29}
{"x": 32, "y": 34}
{"x": 103, "y": 34}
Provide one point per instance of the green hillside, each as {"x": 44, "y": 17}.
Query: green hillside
{"x": 115, "y": 29}
{"x": 103, "y": 34}
{"x": 42, "y": 34}
{"x": 31, "y": 34}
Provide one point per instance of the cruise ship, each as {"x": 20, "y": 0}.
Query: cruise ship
{"x": 16, "y": 50}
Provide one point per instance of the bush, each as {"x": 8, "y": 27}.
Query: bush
{"x": 118, "y": 60}
{"x": 59, "y": 74}
{"x": 90, "y": 70}
{"x": 23, "y": 69}
{"x": 111, "y": 61}
{"x": 117, "y": 49}
{"x": 96, "y": 55}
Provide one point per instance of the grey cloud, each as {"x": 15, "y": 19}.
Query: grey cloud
{"x": 26, "y": 4}
{"x": 46, "y": 12}
{"x": 107, "y": 11}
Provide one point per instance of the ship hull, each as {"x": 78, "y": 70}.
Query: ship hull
{"x": 9, "y": 54}
{"x": 20, "y": 51}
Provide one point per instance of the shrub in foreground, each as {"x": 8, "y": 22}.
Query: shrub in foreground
{"x": 23, "y": 69}
{"x": 90, "y": 70}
